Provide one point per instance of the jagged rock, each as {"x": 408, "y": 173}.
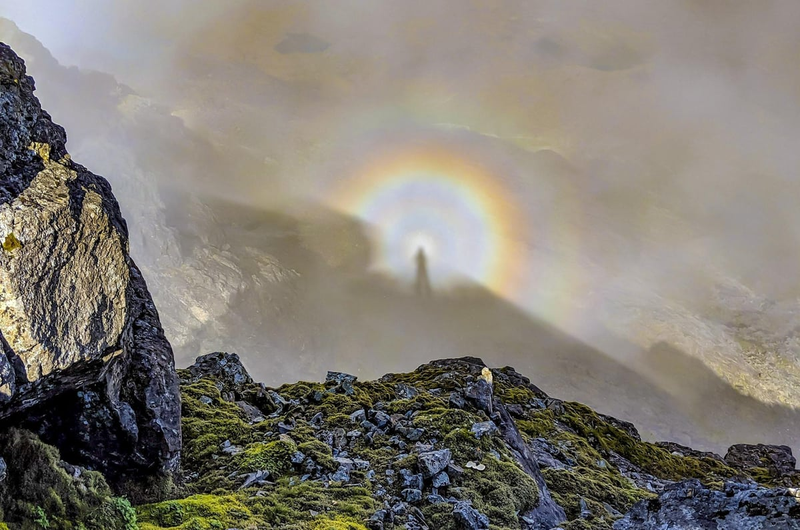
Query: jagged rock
{"x": 412, "y": 495}
{"x": 253, "y": 414}
{"x": 469, "y": 518}
{"x": 483, "y": 428}
{"x": 377, "y": 519}
{"x": 678, "y": 449}
{"x": 380, "y": 419}
{"x": 257, "y": 478}
{"x": 432, "y": 462}
{"x": 689, "y": 504}
{"x": 440, "y": 480}
{"x": 3, "y": 469}
{"x": 480, "y": 394}
{"x": 777, "y": 459}
{"x": 344, "y": 382}
{"x": 234, "y": 382}
{"x": 411, "y": 480}
{"x": 547, "y": 513}
{"x": 405, "y": 392}
{"x": 224, "y": 367}
{"x": 457, "y": 400}
{"x": 416, "y": 520}
{"x": 85, "y": 363}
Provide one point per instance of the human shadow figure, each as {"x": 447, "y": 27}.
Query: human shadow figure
{"x": 422, "y": 284}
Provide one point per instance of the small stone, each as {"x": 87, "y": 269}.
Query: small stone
{"x": 454, "y": 470}
{"x": 339, "y": 438}
{"x": 457, "y": 400}
{"x": 406, "y": 392}
{"x": 415, "y": 434}
{"x": 381, "y": 419}
{"x": 205, "y": 400}
{"x": 342, "y": 475}
{"x": 440, "y": 480}
{"x": 586, "y": 513}
{"x": 253, "y": 414}
{"x": 412, "y": 495}
{"x": 283, "y": 427}
{"x": 411, "y": 480}
{"x": 344, "y": 382}
{"x": 298, "y": 457}
{"x": 434, "y": 498}
{"x": 368, "y": 426}
{"x": 377, "y": 520}
{"x": 358, "y": 416}
{"x": 257, "y": 478}
{"x": 483, "y": 428}
{"x": 316, "y": 420}
{"x": 469, "y": 518}
{"x": 230, "y": 449}
{"x": 432, "y": 462}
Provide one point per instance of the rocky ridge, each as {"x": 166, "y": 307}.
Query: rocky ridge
{"x": 453, "y": 445}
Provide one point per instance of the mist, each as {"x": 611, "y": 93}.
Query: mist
{"x": 647, "y": 153}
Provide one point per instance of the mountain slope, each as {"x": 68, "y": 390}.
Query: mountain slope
{"x": 452, "y": 445}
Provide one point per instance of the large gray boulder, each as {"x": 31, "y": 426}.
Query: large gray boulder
{"x": 84, "y": 360}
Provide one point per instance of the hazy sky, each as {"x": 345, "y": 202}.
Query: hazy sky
{"x": 620, "y": 168}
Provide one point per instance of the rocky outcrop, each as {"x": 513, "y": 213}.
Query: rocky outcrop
{"x": 85, "y": 362}
{"x": 776, "y": 460}
{"x": 737, "y": 506}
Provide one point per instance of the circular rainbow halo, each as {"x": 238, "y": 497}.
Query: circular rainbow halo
{"x": 454, "y": 210}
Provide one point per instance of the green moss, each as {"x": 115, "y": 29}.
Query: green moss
{"x": 502, "y": 491}
{"x": 439, "y": 421}
{"x": 651, "y": 458}
{"x": 274, "y": 457}
{"x": 515, "y": 394}
{"x": 600, "y": 486}
{"x": 207, "y": 426}
{"x": 198, "y": 512}
{"x": 422, "y": 401}
{"x": 287, "y": 503}
{"x": 11, "y": 243}
{"x": 440, "y": 516}
{"x": 39, "y": 492}
{"x": 538, "y": 424}
{"x": 426, "y": 377}
{"x": 320, "y": 452}
{"x": 323, "y": 523}
{"x": 465, "y": 447}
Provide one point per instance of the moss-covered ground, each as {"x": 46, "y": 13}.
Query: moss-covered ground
{"x": 325, "y": 456}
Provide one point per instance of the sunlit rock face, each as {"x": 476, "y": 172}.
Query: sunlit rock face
{"x": 84, "y": 354}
